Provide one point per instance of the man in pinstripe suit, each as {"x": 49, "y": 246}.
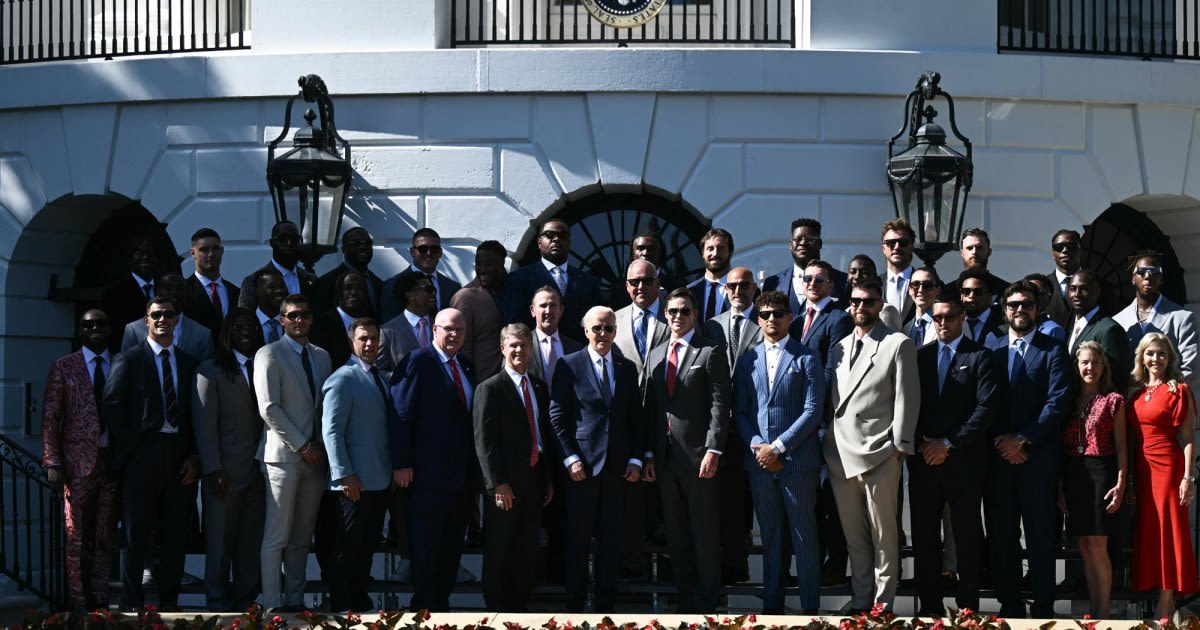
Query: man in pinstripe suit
{"x": 778, "y": 394}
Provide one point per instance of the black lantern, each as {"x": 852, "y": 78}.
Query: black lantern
{"x": 309, "y": 183}
{"x": 929, "y": 181}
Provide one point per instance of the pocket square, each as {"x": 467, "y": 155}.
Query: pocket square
{"x": 961, "y": 368}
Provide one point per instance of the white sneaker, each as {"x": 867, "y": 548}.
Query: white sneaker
{"x": 401, "y": 571}
{"x": 465, "y": 576}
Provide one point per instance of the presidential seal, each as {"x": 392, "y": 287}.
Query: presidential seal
{"x": 624, "y": 13}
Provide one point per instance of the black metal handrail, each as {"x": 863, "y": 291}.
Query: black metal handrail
{"x": 1148, "y": 29}
{"x": 556, "y": 22}
{"x": 32, "y": 536}
{"x": 51, "y": 30}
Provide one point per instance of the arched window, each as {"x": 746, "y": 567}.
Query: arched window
{"x": 1109, "y": 242}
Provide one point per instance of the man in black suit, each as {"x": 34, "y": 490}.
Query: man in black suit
{"x": 975, "y": 249}
{"x": 579, "y": 289}
{"x": 958, "y": 404}
{"x": 805, "y": 246}
{"x": 357, "y": 251}
{"x": 1067, "y": 252}
{"x": 285, "y": 258}
{"x": 512, "y": 440}
{"x": 924, "y": 290}
{"x": 983, "y": 319}
{"x": 125, "y": 297}
{"x": 716, "y": 248}
{"x": 209, "y": 295}
{"x": 426, "y": 253}
{"x": 1087, "y": 324}
{"x": 147, "y": 409}
{"x": 595, "y": 409}
{"x": 687, "y": 393}
{"x": 331, "y": 328}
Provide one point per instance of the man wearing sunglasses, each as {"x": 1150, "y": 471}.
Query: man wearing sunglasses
{"x": 1035, "y": 394}
{"x": 805, "y": 247}
{"x": 875, "y": 397}
{"x": 285, "y": 258}
{"x": 1151, "y": 312}
{"x": 821, "y": 323}
{"x": 579, "y": 289}
{"x": 413, "y": 327}
{"x": 982, "y": 319}
{"x": 426, "y": 253}
{"x": 288, "y": 376}
{"x": 1067, "y": 252}
{"x": 147, "y": 409}
{"x": 642, "y": 325}
{"x": 897, "y": 242}
{"x": 596, "y": 413}
{"x": 189, "y": 336}
{"x": 358, "y": 248}
{"x": 687, "y": 395}
{"x": 924, "y": 290}
{"x": 779, "y": 395}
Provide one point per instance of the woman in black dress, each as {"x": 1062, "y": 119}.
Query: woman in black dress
{"x": 1095, "y": 470}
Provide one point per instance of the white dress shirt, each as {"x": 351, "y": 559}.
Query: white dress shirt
{"x": 346, "y": 320}
{"x": 413, "y": 318}
{"x": 636, "y": 320}
{"x": 896, "y": 291}
{"x": 545, "y": 341}
{"x": 264, "y": 324}
{"x": 157, "y": 350}
{"x": 241, "y": 361}
{"x": 142, "y": 282}
{"x": 433, "y": 278}
{"x": 774, "y": 353}
{"x": 551, "y": 267}
{"x": 222, "y": 293}
{"x": 612, "y": 383}
{"x": 462, "y": 374}
{"x": 537, "y": 417}
{"x": 1062, "y": 279}
{"x": 1081, "y": 322}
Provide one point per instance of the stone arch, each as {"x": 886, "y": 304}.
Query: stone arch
{"x": 1177, "y": 221}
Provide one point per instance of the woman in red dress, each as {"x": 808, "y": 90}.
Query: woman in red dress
{"x": 1162, "y": 422}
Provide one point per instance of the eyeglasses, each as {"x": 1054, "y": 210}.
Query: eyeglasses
{"x": 553, "y": 234}
{"x": 922, "y": 285}
{"x": 426, "y": 250}
{"x": 297, "y": 315}
{"x": 806, "y": 240}
{"x": 893, "y": 243}
{"x": 1147, "y": 272}
{"x": 608, "y": 328}
{"x": 157, "y": 315}
{"x": 453, "y": 330}
{"x": 1065, "y": 246}
{"x": 867, "y": 302}
{"x": 366, "y": 242}
{"x": 637, "y": 282}
{"x": 738, "y": 286}
{"x": 942, "y": 319}
{"x": 779, "y": 313}
{"x": 683, "y": 310}
{"x": 973, "y": 290}
{"x": 809, "y": 278}
{"x": 1019, "y": 305}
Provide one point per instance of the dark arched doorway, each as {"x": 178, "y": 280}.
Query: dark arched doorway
{"x": 1116, "y": 235}
{"x": 602, "y": 225}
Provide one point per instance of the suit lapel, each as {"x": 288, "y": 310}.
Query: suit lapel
{"x": 862, "y": 364}
{"x": 785, "y": 361}
{"x": 595, "y": 379}
{"x": 762, "y": 380}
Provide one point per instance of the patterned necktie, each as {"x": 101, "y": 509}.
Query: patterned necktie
{"x": 710, "y": 306}
{"x": 605, "y": 386}
{"x": 919, "y": 331}
{"x": 808, "y": 320}
{"x": 462, "y": 392}
{"x": 216, "y": 300}
{"x": 170, "y": 402}
{"x": 672, "y": 367}
{"x": 422, "y": 333}
{"x": 308, "y": 373}
{"x": 735, "y": 335}
{"x": 273, "y": 336}
{"x": 640, "y": 333}
{"x": 533, "y": 441}
{"x": 944, "y": 359}
{"x": 559, "y": 280}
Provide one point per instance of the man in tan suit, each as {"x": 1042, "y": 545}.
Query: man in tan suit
{"x": 288, "y": 375}
{"x": 875, "y": 398}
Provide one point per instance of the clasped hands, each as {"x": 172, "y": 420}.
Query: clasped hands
{"x": 1010, "y": 449}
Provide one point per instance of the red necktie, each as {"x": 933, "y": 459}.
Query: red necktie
{"x": 216, "y": 300}
{"x": 672, "y": 368}
{"x": 462, "y": 393}
{"x": 808, "y": 320}
{"x": 533, "y": 450}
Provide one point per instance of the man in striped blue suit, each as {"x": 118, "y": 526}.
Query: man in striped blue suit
{"x": 778, "y": 395}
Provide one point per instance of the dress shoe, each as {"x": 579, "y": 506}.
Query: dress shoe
{"x": 733, "y": 576}
{"x": 833, "y": 577}
{"x": 1041, "y": 612}
{"x": 173, "y": 608}
{"x": 1012, "y": 612}
{"x": 773, "y": 611}
{"x": 811, "y": 612}
{"x": 190, "y": 580}
{"x": 949, "y": 580}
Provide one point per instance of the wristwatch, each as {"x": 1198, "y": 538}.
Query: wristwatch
{"x": 948, "y": 444}
{"x": 775, "y": 449}
{"x": 1022, "y": 440}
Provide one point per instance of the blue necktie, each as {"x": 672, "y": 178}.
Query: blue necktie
{"x": 944, "y": 366}
{"x": 639, "y": 334}
{"x": 1016, "y": 359}
{"x": 919, "y": 331}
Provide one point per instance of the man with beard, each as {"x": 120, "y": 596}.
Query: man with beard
{"x": 1035, "y": 394}
{"x": 75, "y": 446}
{"x": 897, "y": 242}
{"x": 209, "y": 295}
{"x": 331, "y": 329}
{"x": 285, "y": 258}
{"x": 1084, "y": 292}
{"x": 426, "y": 252}
{"x": 875, "y": 397}
{"x": 975, "y": 250}
{"x": 805, "y": 246}
{"x": 1151, "y": 312}
{"x": 983, "y": 320}
{"x": 579, "y": 289}
{"x": 190, "y": 336}
{"x": 482, "y": 305}
{"x": 716, "y": 247}
{"x": 357, "y": 251}
{"x": 1067, "y": 252}
{"x": 227, "y": 428}
{"x": 1045, "y": 325}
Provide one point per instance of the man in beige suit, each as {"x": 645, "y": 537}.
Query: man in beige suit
{"x": 288, "y": 375}
{"x": 875, "y": 399}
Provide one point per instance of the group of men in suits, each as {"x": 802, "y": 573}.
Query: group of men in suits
{"x": 327, "y": 404}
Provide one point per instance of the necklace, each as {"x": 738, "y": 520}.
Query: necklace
{"x": 1083, "y": 413}
{"x": 1150, "y": 391}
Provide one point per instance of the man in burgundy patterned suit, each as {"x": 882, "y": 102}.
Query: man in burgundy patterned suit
{"x": 75, "y": 452}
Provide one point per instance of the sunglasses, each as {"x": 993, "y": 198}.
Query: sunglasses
{"x": 973, "y": 291}
{"x": 1147, "y": 272}
{"x": 1066, "y": 246}
{"x": 297, "y": 315}
{"x": 553, "y": 234}
{"x": 942, "y": 319}
{"x": 867, "y": 302}
{"x": 893, "y": 243}
{"x": 1019, "y": 305}
{"x": 683, "y": 310}
{"x": 779, "y": 313}
{"x": 426, "y": 250}
{"x": 738, "y": 286}
{"x": 157, "y": 315}
{"x": 809, "y": 278}
{"x": 608, "y": 328}
{"x": 922, "y": 285}
{"x": 637, "y": 282}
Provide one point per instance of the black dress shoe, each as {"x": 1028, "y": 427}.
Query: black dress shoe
{"x": 170, "y": 609}
{"x": 833, "y": 577}
{"x": 773, "y": 611}
{"x": 1012, "y": 612}
{"x": 811, "y": 612}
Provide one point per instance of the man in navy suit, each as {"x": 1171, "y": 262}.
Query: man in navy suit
{"x": 595, "y": 410}
{"x": 820, "y": 324}
{"x": 805, "y": 247}
{"x": 716, "y": 248}
{"x": 433, "y": 449}
{"x": 983, "y": 320}
{"x": 958, "y": 405}
{"x": 147, "y": 410}
{"x": 1035, "y": 395}
{"x": 579, "y": 289}
{"x": 779, "y": 392}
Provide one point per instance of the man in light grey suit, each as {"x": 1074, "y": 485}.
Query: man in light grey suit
{"x": 641, "y": 326}
{"x": 737, "y": 511}
{"x": 875, "y": 397}
{"x": 1152, "y": 312}
{"x": 288, "y": 376}
{"x": 413, "y": 327}
{"x": 190, "y": 336}
{"x": 228, "y": 430}
{"x": 354, "y": 425}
